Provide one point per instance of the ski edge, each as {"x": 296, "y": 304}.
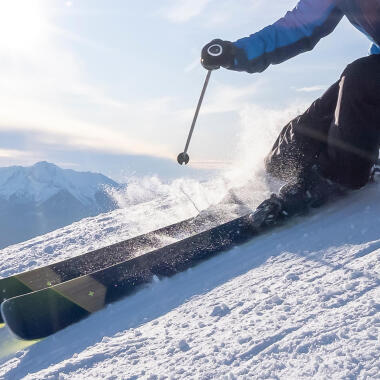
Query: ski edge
{"x": 208, "y": 251}
{"x": 16, "y": 277}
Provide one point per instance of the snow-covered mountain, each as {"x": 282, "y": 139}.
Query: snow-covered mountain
{"x": 41, "y": 198}
{"x": 301, "y": 302}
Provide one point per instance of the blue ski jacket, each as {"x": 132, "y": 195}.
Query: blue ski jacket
{"x": 301, "y": 29}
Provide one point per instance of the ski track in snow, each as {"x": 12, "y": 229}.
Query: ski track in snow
{"x": 300, "y": 302}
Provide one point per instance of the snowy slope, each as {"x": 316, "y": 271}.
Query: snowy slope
{"x": 300, "y": 302}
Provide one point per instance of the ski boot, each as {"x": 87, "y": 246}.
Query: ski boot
{"x": 309, "y": 190}
{"x": 267, "y": 213}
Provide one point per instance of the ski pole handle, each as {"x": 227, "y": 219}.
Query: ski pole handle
{"x": 183, "y": 158}
{"x": 213, "y": 51}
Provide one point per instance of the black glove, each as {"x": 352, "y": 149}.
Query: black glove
{"x": 218, "y": 53}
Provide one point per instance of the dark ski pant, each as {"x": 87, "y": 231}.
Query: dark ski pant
{"x": 340, "y": 131}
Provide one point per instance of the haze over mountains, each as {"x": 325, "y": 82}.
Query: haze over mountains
{"x": 41, "y": 198}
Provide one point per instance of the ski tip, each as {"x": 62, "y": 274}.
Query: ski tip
{"x": 2, "y": 320}
{"x": 5, "y": 307}
{"x": 3, "y": 317}
{"x": 37, "y": 315}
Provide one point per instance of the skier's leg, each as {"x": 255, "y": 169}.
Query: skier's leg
{"x": 300, "y": 141}
{"x": 354, "y": 136}
{"x": 340, "y": 132}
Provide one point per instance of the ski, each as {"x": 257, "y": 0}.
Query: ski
{"x": 41, "y": 313}
{"x": 66, "y": 270}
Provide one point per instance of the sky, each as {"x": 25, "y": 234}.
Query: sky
{"x": 111, "y": 86}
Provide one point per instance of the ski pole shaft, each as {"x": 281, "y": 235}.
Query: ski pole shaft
{"x": 183, "y": 158}
{"x": 197, "y": 110}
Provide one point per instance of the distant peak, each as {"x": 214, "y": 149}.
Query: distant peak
{"x": 44, "y": 164}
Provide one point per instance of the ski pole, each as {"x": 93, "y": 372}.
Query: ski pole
{"x": 183, "y": 158}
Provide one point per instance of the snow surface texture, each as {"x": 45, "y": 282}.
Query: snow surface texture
{"x": 300, "y": 302}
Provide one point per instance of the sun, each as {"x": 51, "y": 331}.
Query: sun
{"x": 22, "y": 24}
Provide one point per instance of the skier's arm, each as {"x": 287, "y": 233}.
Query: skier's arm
{"x": 298, "y": 31}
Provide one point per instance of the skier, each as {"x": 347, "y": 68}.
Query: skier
{"x": 335, "y": 143}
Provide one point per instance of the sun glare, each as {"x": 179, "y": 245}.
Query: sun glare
{"x": 22, "y": 24}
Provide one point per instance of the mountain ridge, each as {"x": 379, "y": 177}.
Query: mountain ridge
{"x": 43, "y": 179}
{"x": 40, "y": 198}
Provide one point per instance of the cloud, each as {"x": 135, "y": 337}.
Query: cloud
{"x": 211, "y": 164}
{"x": 312, "y": 88}
{"x": 77, "y": 38}
{"x": 10, "y": 157}
{"x": 184, "y": 10}
{"x": 55, "y": 126}
{"x": 228, "y": 14}
{"x": 229, "y": 98}
{"x": 218, "y": 18}
{"x": 47, "y": 89}
{"x": 12, "y": 153}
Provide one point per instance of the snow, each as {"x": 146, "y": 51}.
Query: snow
{"x": 300, "y": 302}
{"x": 43, "y": 180}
